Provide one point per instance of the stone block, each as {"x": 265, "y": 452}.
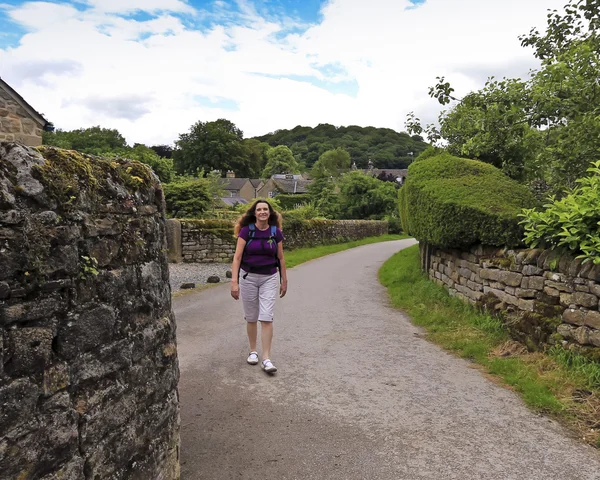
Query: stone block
{"x": 525, "y": 293}
{"x": 566, "y": 299}
{"x": 582, "y": 288}
{"x": 174, "y": 244}
{"x": 582, "y": 335}
{"x": 510, "y": 290}
{"x": 535, "y": 283}
{"x": 30, "y": 350}
{"x": 573, "y": 316}
{"x": 99, "y": 364}
{"x": 585, "y": 299}
{"x": 86, "y": 331}
{"x": 552, "y": 292}
{"x": 595, "y": 289}
{"x": 18, "y": 399}
{"x": 490, "y": 274}
{"x": 56, "y": 378}
{"x": 527, "y": 305}
{"x": 530, "y": 270}
{"x": 562, "y": 287}
{"x": 512, "y": 279}
{"x": 595, "y": 338}
{"x": 29, "y": 311}
{"x": 592, "y": 319}
{"x": 566, "y": 331}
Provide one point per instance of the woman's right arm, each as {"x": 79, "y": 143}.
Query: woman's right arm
{"x": 235, "y": 267}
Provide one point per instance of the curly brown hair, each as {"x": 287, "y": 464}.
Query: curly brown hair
{"x": 250, "y": 217}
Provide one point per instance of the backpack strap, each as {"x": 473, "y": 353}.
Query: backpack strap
{"x": 251, "y": 232}
{"x": 274, "y": 237}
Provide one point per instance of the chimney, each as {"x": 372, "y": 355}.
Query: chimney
{"x": 230, "y": 174}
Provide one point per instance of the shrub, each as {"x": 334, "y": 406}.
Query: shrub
{"x": 569, "y": 224}
{"x": 394, "y": 224}
{"x": 454, "y": 202}
{"x": 289, "y": 202}
{"x": 188, "y": 198}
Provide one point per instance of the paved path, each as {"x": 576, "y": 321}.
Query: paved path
{"x": 358, "y": 394}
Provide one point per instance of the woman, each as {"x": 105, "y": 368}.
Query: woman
{"x": 258, "y": 253}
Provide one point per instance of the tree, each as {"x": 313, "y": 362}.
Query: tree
{"x": 187, "y": 198}
{"x": 331, "y": 163}
{"x": 280, "y": 160}
{"x": 543, "y": 129}
{"x": 322, "y": 194}
{"x": 211, "y": 146}
{"x": 163, "y": 151}
{"x": 256, "y": 152}
{"x": 93, "y": 140}
{"x": 365, "y": 197}
{"x": 163, "y": 167}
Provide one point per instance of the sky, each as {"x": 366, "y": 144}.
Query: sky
{"x": 153, "y": 68}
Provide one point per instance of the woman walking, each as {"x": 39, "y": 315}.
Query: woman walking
{"x": 258, "y": 255}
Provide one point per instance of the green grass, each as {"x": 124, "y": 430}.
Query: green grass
{"x": 301, "y": 255}
{"x": 546, "y": 382}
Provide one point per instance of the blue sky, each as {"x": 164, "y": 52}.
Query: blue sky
{"x": 152, "y": 68}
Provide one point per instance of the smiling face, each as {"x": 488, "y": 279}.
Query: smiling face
{"x": 262, "y": 212}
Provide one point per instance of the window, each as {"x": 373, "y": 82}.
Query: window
{"x": 271, "y": 195}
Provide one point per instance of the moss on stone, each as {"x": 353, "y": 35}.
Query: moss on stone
{"x": 67, "y": 173}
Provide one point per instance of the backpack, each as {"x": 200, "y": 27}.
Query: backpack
{"x": 272, "y": 238}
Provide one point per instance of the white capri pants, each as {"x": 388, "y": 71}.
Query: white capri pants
{"x": 258, "y": 294}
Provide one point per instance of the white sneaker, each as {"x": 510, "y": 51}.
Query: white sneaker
{"x": 253, "y": 358}
{"x": 268, "y": 366}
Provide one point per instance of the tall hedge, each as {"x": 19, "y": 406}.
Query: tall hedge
{"x": 289, "y": 202}
{"x": 453, "y": 202}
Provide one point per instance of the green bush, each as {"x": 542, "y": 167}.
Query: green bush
{"x": 569, "y": 224}
{"x": 394, "y": 224}
{"x": 289, "y": 202}
{"x": 453, "y": 202}
{"x": 188, "y": 198}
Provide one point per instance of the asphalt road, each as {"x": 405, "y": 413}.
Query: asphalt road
{"x": 358, "y": 395}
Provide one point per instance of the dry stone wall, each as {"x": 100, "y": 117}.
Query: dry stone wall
{"x": 556, "y": 297}
{"x": 213, "y": 241}
{"x": 88, "y": 357}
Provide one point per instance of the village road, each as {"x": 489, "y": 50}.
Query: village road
{"x": 359, "y": 394}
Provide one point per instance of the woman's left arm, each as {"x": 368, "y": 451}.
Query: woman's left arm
{"x": 283, "y": 288}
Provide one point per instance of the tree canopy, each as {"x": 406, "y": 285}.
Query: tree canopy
{"x": 280, "y": 160}
{"x": 384, "y": 146}
{"x": 543, "y": 129}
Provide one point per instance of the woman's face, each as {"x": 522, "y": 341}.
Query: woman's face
{"x": 262, "y": 212}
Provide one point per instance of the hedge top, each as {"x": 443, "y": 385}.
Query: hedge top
{"x": 455, "y": 202}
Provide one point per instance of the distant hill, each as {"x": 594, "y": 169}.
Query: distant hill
{"x": 384, "y": 146}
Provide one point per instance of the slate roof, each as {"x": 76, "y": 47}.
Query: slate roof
{"x": 231, "y": 201}
{"x": 292, "y": 186}
{"x": 234, "y": 183}
{"x": 256, "y": 182}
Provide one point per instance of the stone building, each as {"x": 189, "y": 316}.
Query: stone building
{"x": 19, "y": 121}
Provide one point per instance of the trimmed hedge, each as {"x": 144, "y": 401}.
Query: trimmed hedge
{"x": 289, "y": 202}
{"x": 453, "y": 202}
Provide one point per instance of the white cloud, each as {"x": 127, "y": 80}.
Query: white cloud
{"x": 95, "y": 67}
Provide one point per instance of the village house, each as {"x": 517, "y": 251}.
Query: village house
{"x": 19, "y": 121}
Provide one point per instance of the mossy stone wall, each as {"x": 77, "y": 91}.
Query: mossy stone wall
{"x": 206, "y": 241}
{"x": 88, "y": 356}
{"x": 549, "y": 297}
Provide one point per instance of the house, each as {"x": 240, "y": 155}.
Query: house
{"x": 19, "y": 121}
{"x": 290, "y": 184}
{"x": 396, "y": 174}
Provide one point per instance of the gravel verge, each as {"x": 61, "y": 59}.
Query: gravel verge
{"x": 198, "y": 273}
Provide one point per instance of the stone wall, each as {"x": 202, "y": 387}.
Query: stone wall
{"x": 16, "y": 124}
{"x": 554, "y": 297}
{"x": 88, "y": 356}
{"x": 213, "y": 241}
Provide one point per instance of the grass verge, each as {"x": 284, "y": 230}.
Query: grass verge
{"x": 301, "y": 255}
{"x": 559, "y": 383}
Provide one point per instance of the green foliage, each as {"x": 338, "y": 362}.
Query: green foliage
{"x": 394, "y": 224}
{"x": 256, "y": 152}
{"x": 364, "y": 197}
{"x": 188, "y": 198}
{"x": 571, "y": 223}
{"x": 211, "y": 146}
{"x": 305, "y": 212}
{"x": 94, "y": 140}
{"x": 280, "y": 160}
{"x": 331, "y": 164}
{"x": 322, "y": 193}
{"x": 454, "y": 202}
{"x": 289, "y": 202}
{"x": 544, "y": 129}
{"x": 387, "y": 148}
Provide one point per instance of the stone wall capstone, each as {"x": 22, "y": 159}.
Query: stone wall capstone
{"x": 15, "y": 123}
{"x": 555, "y": 297}
{"x": 210, "y": 241}
{"x": 88, "y": 355}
